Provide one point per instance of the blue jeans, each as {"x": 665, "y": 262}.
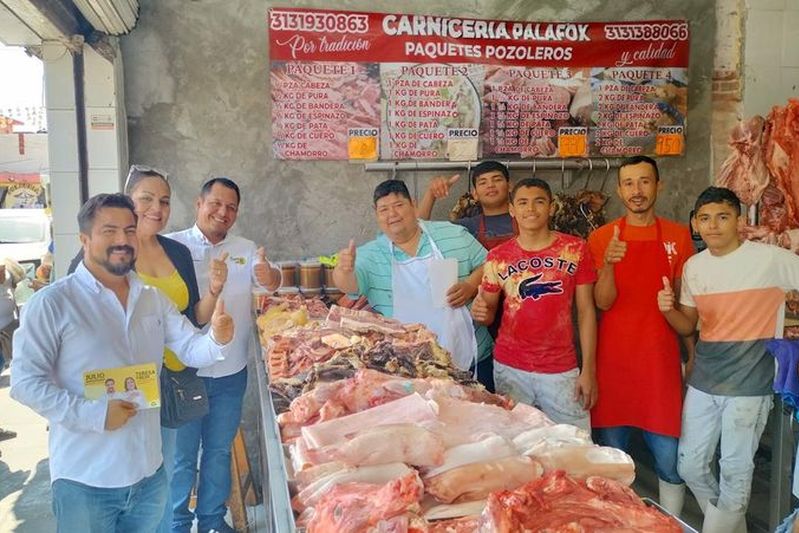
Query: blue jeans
{"x": 663, "y": 448}
{"x": 215, "y": 431}
{"x": 137, "y": 508}
{"x": 168, "y": 436}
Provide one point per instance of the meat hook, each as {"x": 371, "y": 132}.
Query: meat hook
{"x": 590, "y": 170}
{"x": 607, "y": 173}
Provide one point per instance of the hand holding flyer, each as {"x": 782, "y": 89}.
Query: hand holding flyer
{"x": 136, "y": 384}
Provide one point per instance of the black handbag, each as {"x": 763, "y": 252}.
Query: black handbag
{"x": 183, "y": 397}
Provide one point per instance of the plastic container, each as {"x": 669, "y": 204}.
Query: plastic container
{"x": 328, "y": 277}
{"x": 310, "y": 275}
{"x": 289, "y": 270}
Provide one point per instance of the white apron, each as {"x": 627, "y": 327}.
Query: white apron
{"x": 413, "y": 302}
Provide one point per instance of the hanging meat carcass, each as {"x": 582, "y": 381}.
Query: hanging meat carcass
{"x": 744, "y": 171}
{"x": 782, "y": 155}
{"x": 579, "y": 214}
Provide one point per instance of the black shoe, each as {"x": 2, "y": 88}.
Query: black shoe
{"x": 6, "y": 434}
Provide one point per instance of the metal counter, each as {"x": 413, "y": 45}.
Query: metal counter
{"x": 276, "y": 498}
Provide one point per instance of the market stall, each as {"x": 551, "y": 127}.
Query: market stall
{"x": 366, "y": 423}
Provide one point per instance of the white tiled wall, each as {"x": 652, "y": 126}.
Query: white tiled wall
{"x": 771, "y": 54}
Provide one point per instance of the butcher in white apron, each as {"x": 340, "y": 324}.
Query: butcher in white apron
{"x": 413, "y": 302}
{"x": 399, "y": 284}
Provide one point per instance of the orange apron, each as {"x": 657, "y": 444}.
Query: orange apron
{"x": 638, "y": 356}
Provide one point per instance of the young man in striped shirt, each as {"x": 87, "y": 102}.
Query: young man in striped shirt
{"x": 736, "y": 290}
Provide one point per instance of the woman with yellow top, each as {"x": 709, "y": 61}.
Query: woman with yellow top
{"x": 167, "y": 264}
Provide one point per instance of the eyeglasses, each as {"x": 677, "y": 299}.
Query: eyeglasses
{"x": 137, "y": 170}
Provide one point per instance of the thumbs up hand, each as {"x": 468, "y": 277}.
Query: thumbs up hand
{"x": 616, "y": 249}
{"x": 440, "y": 186}
{"x": 217, "y": 276}
{"x": 666, "y": 297}
{"x": 221, "y": 323}
{"x": 480, "y": 309}
{"x": 346, "y": 258}
{"x": 265, "y": 275}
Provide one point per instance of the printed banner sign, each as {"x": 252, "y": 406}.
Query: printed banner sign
{"x": 418, "y": 77}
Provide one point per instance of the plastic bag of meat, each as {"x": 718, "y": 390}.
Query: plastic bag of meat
{"x": 356, "y": 507}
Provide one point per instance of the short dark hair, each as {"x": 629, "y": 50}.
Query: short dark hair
{"x": 224, "y": 182}
{"x": 139, "y": 172}
{"x": 391, "y": 186}
{"x": 717, "y": 195}
{"x": 531, "y": 182}
{"x": 88, "y": 211}
{"x": 637, "y": 159}
{"x": 489, "y": 166}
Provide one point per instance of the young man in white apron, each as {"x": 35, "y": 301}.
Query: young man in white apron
{"x": 393, "y": 272}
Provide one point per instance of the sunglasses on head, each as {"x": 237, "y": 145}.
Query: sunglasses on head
{"x": 138, "y": 170}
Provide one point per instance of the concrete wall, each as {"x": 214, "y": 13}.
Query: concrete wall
{"x": 196, "y": 76}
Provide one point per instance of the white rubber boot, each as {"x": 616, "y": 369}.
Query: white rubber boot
{"x": 721, "y": 521}
{"x": 671, "y": 496}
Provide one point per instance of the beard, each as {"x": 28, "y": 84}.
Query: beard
{"x": 639, "y": 208}
{"x": 118, "y": 269}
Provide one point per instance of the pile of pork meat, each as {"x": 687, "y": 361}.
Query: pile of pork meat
{"x": 383, "y": 434}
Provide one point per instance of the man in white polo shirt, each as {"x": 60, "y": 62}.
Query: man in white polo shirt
{"x": 105, "y": 454}
{"x": 209, "y": 238}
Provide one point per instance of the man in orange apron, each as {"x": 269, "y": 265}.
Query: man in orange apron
{"x": 638, "y": 355}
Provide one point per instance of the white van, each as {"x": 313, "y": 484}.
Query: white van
{"x": 24, "y": 235}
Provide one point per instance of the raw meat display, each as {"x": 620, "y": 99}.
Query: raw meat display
{"x": 433, "y": 510}
{"x": 491, "y": 447}
{"x": 586, "y": 461}
{"x": 468, "y": 524}
{"x": 385, "y": 435}
{"x": 353, "y": 507}
{"x": 369, "y": 388}
{"x": 476, "y": 480}
{"x": 410, "y": 409}
{"x": 744, "y": 171}
{"x": 378, "y": 474}
{"x": 782, "y": 155}
{"x": 558, "y": 503}
{"x": 406, "y": 443}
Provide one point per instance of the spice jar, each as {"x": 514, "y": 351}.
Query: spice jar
{"x": 310, "y": 276}
{"x": 328, "y": 275}
{"x": 289, "y": 270}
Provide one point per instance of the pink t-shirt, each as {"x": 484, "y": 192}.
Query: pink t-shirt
{"x": 536, "y": 334}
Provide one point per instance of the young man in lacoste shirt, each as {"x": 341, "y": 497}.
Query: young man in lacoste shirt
{"x": 542, "y": 274}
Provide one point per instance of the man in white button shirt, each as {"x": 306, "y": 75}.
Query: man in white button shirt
{"x": 105, "y": 454}
{"x": 225, "y": 382}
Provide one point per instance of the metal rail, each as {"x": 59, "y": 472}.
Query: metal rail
{"x": 567, "y": 167}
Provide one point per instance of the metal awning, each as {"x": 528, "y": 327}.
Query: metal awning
{"x": 114, "y": 17}
{"x": 30, "y": 22}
